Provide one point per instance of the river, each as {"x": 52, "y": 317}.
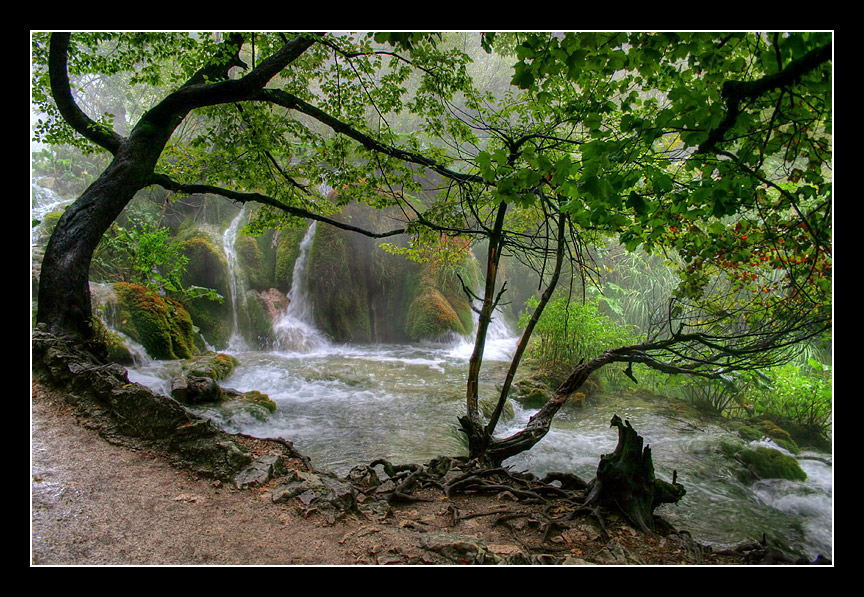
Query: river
{"x": 344, "y": 405}
{"x": 347, "y": 405}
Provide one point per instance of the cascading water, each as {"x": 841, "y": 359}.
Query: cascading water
{"x": 229, "y": 242}
{"x": 500, "y": 339}
{"x": 294, "y": 329}
{"x": 348, "y": 405}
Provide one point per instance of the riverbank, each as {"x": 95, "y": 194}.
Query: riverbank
{"x": 94, "y": 503}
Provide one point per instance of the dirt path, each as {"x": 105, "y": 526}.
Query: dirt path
{"x": 94, "y": 503}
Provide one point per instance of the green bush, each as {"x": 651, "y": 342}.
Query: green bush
{"x": 569, "y": 331}
{"x": 801, "y": 395}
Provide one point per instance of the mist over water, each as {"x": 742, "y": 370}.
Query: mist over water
{"x": 344, "y": 405}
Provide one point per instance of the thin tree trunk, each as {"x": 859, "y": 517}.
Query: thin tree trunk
{"x": 492, "y": 260}
{"x": 529, "y": 329}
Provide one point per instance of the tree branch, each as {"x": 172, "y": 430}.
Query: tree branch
{"x": 736, "y": 91}
{"x": 287, "y": 100}
{"x": 172, "y": 185}
{"x": 58, "y": 56}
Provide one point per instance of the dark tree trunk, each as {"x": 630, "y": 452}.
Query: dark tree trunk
{"x": 625, "y": 480}
{"x": 477, "y": 441}
{"x": 494, "y": 451}
{"x": 64, "y": 289}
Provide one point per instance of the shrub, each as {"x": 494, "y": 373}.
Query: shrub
{"x": 803, "y": 396}
{"x": 570, "y": 331}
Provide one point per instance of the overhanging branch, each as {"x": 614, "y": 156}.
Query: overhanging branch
{"x": 172, "y": 185}
{"x": 734, "y": 92}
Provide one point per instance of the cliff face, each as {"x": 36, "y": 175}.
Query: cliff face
{"x": 361, "y": 293}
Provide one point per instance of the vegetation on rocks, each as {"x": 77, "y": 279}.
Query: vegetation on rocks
{"x": 207, "y": 268}
{"x": 161, "y": 324}
{"x": 766, "y": 463}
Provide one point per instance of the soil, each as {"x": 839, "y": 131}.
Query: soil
{"x": 94, "y": 503}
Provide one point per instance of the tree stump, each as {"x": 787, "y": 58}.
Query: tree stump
{"x": 625, "y": 480}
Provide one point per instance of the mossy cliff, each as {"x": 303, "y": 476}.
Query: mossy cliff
{"x": 361, "y": 293}
{"x": 160, "y": 324}
{"x": 208, "y": 268}
{"x": 265, "y": 265}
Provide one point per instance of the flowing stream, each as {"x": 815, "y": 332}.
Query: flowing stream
{"x": 348, "y": 405}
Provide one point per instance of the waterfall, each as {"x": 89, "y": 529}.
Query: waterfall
{"x": 229, "y": 243}
{"x": 295, "y": 330}
{"x": 500, "y": 343}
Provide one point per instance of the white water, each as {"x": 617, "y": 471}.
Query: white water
{"x": 295, "y": 329}
{"x": 348, "y": 405}
{"x": 229, "y": 242}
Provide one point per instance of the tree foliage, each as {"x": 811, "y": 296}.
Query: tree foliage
{"x": 714, "y": 148}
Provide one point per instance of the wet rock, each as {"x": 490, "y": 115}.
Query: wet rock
{"x": 260, "y": 472}
{"x": 195, "y": 390}
{"x": 316, "y": 489}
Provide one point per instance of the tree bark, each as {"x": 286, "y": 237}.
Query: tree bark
{"x": 477, "y": 441}
{"x": 625, "y": 480}
{"x": 64, "y": 290}
{"x": 64, "y": 287}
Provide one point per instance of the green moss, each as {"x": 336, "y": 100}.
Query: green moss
{"x": 338, "y": 287}
{"x": 161, "y": 325}
{"x": 109, "y": 344}
{"x": 768, "y": 463}
{"x": 208, "y": 269}
{"x": 214, "y": 365}
{"x": 260, "y": 399}
{"x": 431, "y": 316}
{"x": 256, "y": 321}
{"x": 256, "y": 257}
{"x": 750, "y": 434}
{"x": 287, "y": 251}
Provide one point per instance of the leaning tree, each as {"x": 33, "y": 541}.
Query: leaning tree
{"x": 714, "y": 147}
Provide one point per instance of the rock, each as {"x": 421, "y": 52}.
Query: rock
{"x": 260, "y": 472}
{"x": 364, "y": 478}
{"x": 459, "y": 549}
{"x": 615, "y": 553}
{"x": 195, "y": 390}
{"x": 318, "y": 489}
{"x": 215, "y": 365}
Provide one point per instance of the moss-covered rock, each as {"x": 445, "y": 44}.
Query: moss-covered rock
{"x": 208, "y": 268}
{"x": 338, "y": 287}
{"x": 216, "y": 366}
{"x": 160, "y": 324}
{"x": 256, "y": 258}
{"x": 531, "y": 393}
{"x": 768, "y": 463}
{"x": 756, "y": 429}
{"x": 286, "y": 252}
{"x": 260, "y": 399}
{"x": 431, "y": 316}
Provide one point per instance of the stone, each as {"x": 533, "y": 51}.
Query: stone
{"x": 260, "y": 472}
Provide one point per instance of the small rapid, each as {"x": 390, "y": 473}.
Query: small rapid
{"x": 344, "y": 405}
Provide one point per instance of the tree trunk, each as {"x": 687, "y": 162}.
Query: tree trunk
{"x": 625, "y": 480}
{"x": 494, "y": 451}
{"x": 64, "y": 287}
{"x": 529, "y": 329}
{"x": 477, "y": 441}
